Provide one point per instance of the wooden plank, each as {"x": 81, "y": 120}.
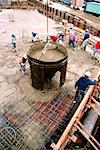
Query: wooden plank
{"x": 78, "y": 114}
{"x": 84, "y": 134}
{"x": 83, "y": 127}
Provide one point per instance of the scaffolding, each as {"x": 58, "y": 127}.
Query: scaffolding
{"x": 90, "y": 105}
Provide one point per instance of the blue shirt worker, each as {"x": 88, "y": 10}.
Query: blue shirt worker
{"x": 82, "y": 84}
{"x": 85, "y": 39}
{"x": 87, "y": 35}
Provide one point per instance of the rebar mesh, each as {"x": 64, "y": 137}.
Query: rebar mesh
{"x": 34, "y": 126}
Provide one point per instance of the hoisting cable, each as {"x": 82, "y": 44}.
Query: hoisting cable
{"x": 47, "y": 21}
{"x": 47, "y": 43}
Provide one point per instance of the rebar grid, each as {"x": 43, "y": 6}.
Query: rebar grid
{"x": 22, "y": 128}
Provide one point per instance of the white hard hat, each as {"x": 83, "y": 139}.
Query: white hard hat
{"x": 88, "y": 74}
{"x": 87, "y": 30}
{"x": 60, "y": 42}
{"x": 13, "y": 34}
{"x": 25, "y": 56}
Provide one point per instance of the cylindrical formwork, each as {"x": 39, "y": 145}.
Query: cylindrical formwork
{"x": 44, "y": 68}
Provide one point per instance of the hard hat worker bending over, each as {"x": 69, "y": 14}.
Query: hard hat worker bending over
{"x": 82, "y": 84}
{"x": 35, "y": 37}
{"x": 23, "y": 63}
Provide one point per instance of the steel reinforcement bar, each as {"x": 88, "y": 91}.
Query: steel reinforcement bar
{"x": 92, "y": 101}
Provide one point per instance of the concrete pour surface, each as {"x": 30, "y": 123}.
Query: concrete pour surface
{"x": 15, "y": 87}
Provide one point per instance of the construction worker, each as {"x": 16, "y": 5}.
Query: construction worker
{"x": 71, "y": 38}
{"x": 60, "y": 35}
{"x": 85, "y": 39}
{"x": 53, "y": 38}
{"x": 97, "y": 47}
{"x": 82, "y": 84}
{"x": 68, "y": 27}
{"x": 35, "y": 37}
{"x": 56, "y": 39}
{"x": 23, "y": 63}
{"x": 13, "y": 41}
{"x": 64, "y": 22}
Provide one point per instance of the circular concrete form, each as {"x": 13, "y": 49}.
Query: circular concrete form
{"x": 44, "y": 65}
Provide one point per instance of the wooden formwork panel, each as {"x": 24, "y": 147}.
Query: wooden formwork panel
{"x": 43, "y": 9}
{"x": 95, "y": 32}
{"x": 82, "y": 24}
{"x": 64, "y": 15}
{"x": 70, "y": 18}
{"x": 76, "y": 22}
{"x": 59, "y": 15}
{"x": 99, "y": 33}
{"x": 51, "y": 12}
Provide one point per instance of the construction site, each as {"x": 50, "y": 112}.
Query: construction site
{"x": 37, "y": 107}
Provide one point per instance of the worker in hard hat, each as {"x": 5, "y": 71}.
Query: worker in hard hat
{"x": 13, "y": 41}
{"x": 96, "y": 47}
{"x": 35, "y": 37}
{"x": 64, "y": 22}
{"x": 23, "y": 63}
{"x": 53, "y": 38}
{"x": 72, "y": 38}
{"x": 85, "y": 39}
{"x": 60, "y": 35}
{"x": 82, "y": 84}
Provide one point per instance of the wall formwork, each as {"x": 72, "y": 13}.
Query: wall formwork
{"x": 5, "y": 2}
